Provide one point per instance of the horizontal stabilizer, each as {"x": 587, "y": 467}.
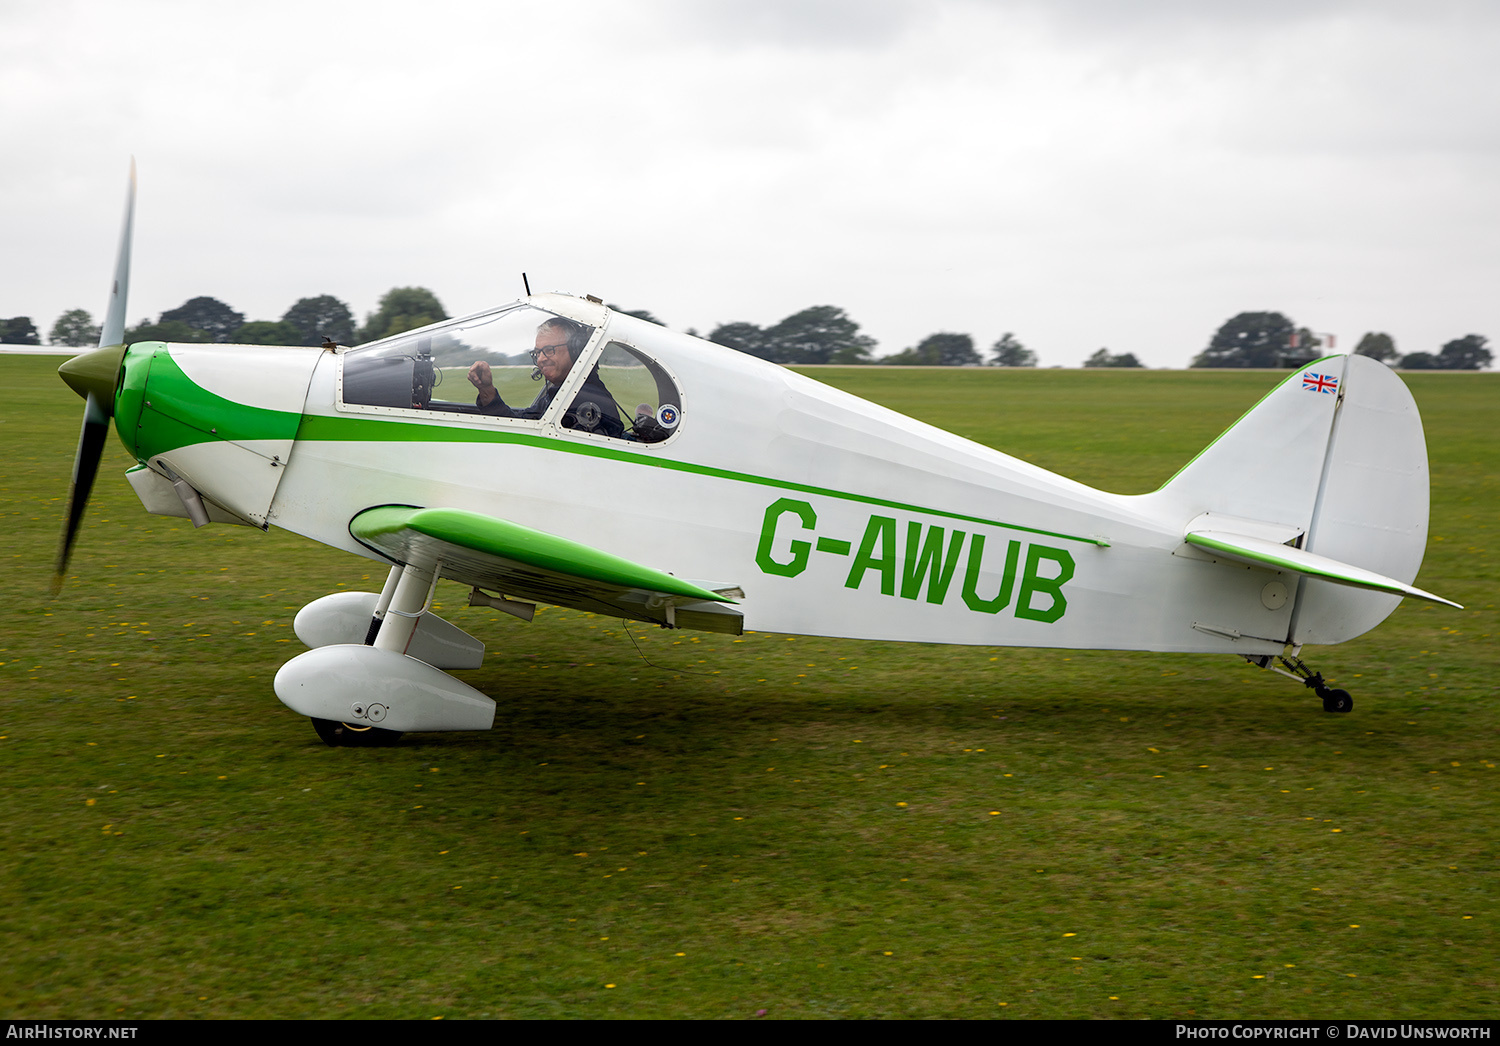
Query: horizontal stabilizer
{"x": 1261, "y": 552}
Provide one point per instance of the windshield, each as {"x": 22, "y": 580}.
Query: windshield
{"x": 429, "y": 369}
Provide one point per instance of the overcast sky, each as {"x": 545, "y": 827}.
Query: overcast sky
{"x": 1084, "y": 173}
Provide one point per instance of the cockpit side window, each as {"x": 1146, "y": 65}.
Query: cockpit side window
{"x": 628, "y": 396}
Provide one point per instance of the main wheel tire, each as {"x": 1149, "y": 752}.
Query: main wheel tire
{"x": 344, "y": 735}
{"x": 1337, "y": 701}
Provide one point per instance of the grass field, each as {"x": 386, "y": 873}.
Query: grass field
{"x": 719, "y": 827}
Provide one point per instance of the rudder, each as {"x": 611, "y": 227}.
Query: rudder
{"x": 1372, "y": 506}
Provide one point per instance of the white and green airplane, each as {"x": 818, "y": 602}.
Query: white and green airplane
{"x": 656, "y": 477}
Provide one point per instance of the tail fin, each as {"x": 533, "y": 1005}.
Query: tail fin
{"x": 1372, "y": 504}
{"x": 1326, "y": 478}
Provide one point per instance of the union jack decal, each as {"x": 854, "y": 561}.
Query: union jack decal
{"x": 1324, "y": 383}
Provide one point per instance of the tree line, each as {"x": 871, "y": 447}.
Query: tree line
{"x": 822, "y": 334}
{"x": 1269, "y": 339}
{"x": 826, "y": 334}
{"x": 309, "y": 321}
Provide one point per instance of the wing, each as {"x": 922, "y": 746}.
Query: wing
{"x": 520, "y": 562}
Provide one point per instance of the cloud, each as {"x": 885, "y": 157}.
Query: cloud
{"x": 1080, "y": 172}
{"x": 816, "y": 25}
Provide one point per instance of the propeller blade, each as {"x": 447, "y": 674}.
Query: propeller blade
{"x": 112, "y": 331}
{"x": 85, "y": 466}
{"x": 93, "y": 376}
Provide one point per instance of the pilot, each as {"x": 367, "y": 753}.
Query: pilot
{"x": 558, "y": 343}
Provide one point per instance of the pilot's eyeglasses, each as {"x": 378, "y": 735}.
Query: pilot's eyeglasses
{"x": 547, "y": 351}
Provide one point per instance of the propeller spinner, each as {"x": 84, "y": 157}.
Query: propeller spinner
{"x": 93, "y": 376}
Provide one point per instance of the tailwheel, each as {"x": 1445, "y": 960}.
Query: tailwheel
{"x": 1333, "y": 700}
{"x": 345, "y": 735}
{"x": 1336, "y": 700}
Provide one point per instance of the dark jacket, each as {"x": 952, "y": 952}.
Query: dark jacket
{"x": 577, "y": 416}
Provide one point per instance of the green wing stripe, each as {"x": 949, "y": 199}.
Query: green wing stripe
{"x": 506, "y": 540}
{"x": 1284, "y": 557}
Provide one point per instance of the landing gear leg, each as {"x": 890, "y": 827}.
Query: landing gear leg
{"x": 1333, "y": 700}
{"x": 384, "y": 602}
{"x": 410, "y": 599}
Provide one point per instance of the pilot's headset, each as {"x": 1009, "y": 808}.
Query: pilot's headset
{"x": 578, "y": 339}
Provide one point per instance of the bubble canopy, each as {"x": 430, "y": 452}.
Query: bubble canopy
{"x": 609, "y": 389}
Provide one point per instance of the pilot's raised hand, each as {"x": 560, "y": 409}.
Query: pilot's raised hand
{"x": 481, "y": 378}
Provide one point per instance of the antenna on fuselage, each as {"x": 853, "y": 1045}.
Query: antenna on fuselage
{"x": 526, "y": 283}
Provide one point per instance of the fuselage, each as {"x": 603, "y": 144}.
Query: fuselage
{"x": 834, "y": 515}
